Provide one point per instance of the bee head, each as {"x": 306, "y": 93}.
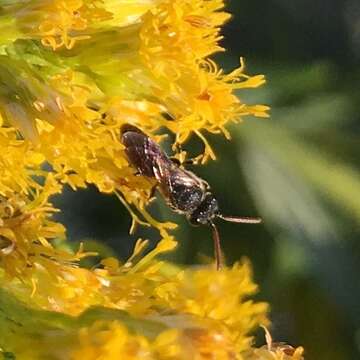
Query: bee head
{"x": 205, "y": 212}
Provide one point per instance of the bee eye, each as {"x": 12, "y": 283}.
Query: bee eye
{"x": 194, "y": 220}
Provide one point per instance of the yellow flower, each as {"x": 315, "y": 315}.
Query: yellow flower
{"x": 25, "y": 212}
{"x": 206, "y": 101}
{"x": 220, "y": 296}
{"x": 281, "y": 352}
{"x": 71, "y": 74}
{"x": 176, "y": 34}
{"x": 111, "y": 341}
{"x": 60, "y": 23}
{"x": 276, "y": 351}
{"x": 176, "y": 39}
{"x": 166, "y": 313}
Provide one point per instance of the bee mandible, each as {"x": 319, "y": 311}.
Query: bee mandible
{"x": 184, "y": 192}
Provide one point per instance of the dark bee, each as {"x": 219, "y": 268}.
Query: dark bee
{"x": 184, "y": 192}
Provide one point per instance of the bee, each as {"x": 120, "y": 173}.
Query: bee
{"x": 184, "y": 192}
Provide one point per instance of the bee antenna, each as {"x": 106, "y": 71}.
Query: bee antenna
{"x": 241, "y": 219}
{"x": 217, "y": 246}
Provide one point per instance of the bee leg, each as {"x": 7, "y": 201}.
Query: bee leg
{"x": 152, "y": 192}
{"x": 193, "y": 161}
{"x": 176, "y": 161}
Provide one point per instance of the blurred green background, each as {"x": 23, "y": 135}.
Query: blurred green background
{"x": 299, "y": 171}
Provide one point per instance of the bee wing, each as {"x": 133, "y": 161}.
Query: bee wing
{"x": 144, "y": 154}
{"x": 163, "y": 173}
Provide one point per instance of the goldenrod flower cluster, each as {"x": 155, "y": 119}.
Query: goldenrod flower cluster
{"x": 72, "y": 72}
